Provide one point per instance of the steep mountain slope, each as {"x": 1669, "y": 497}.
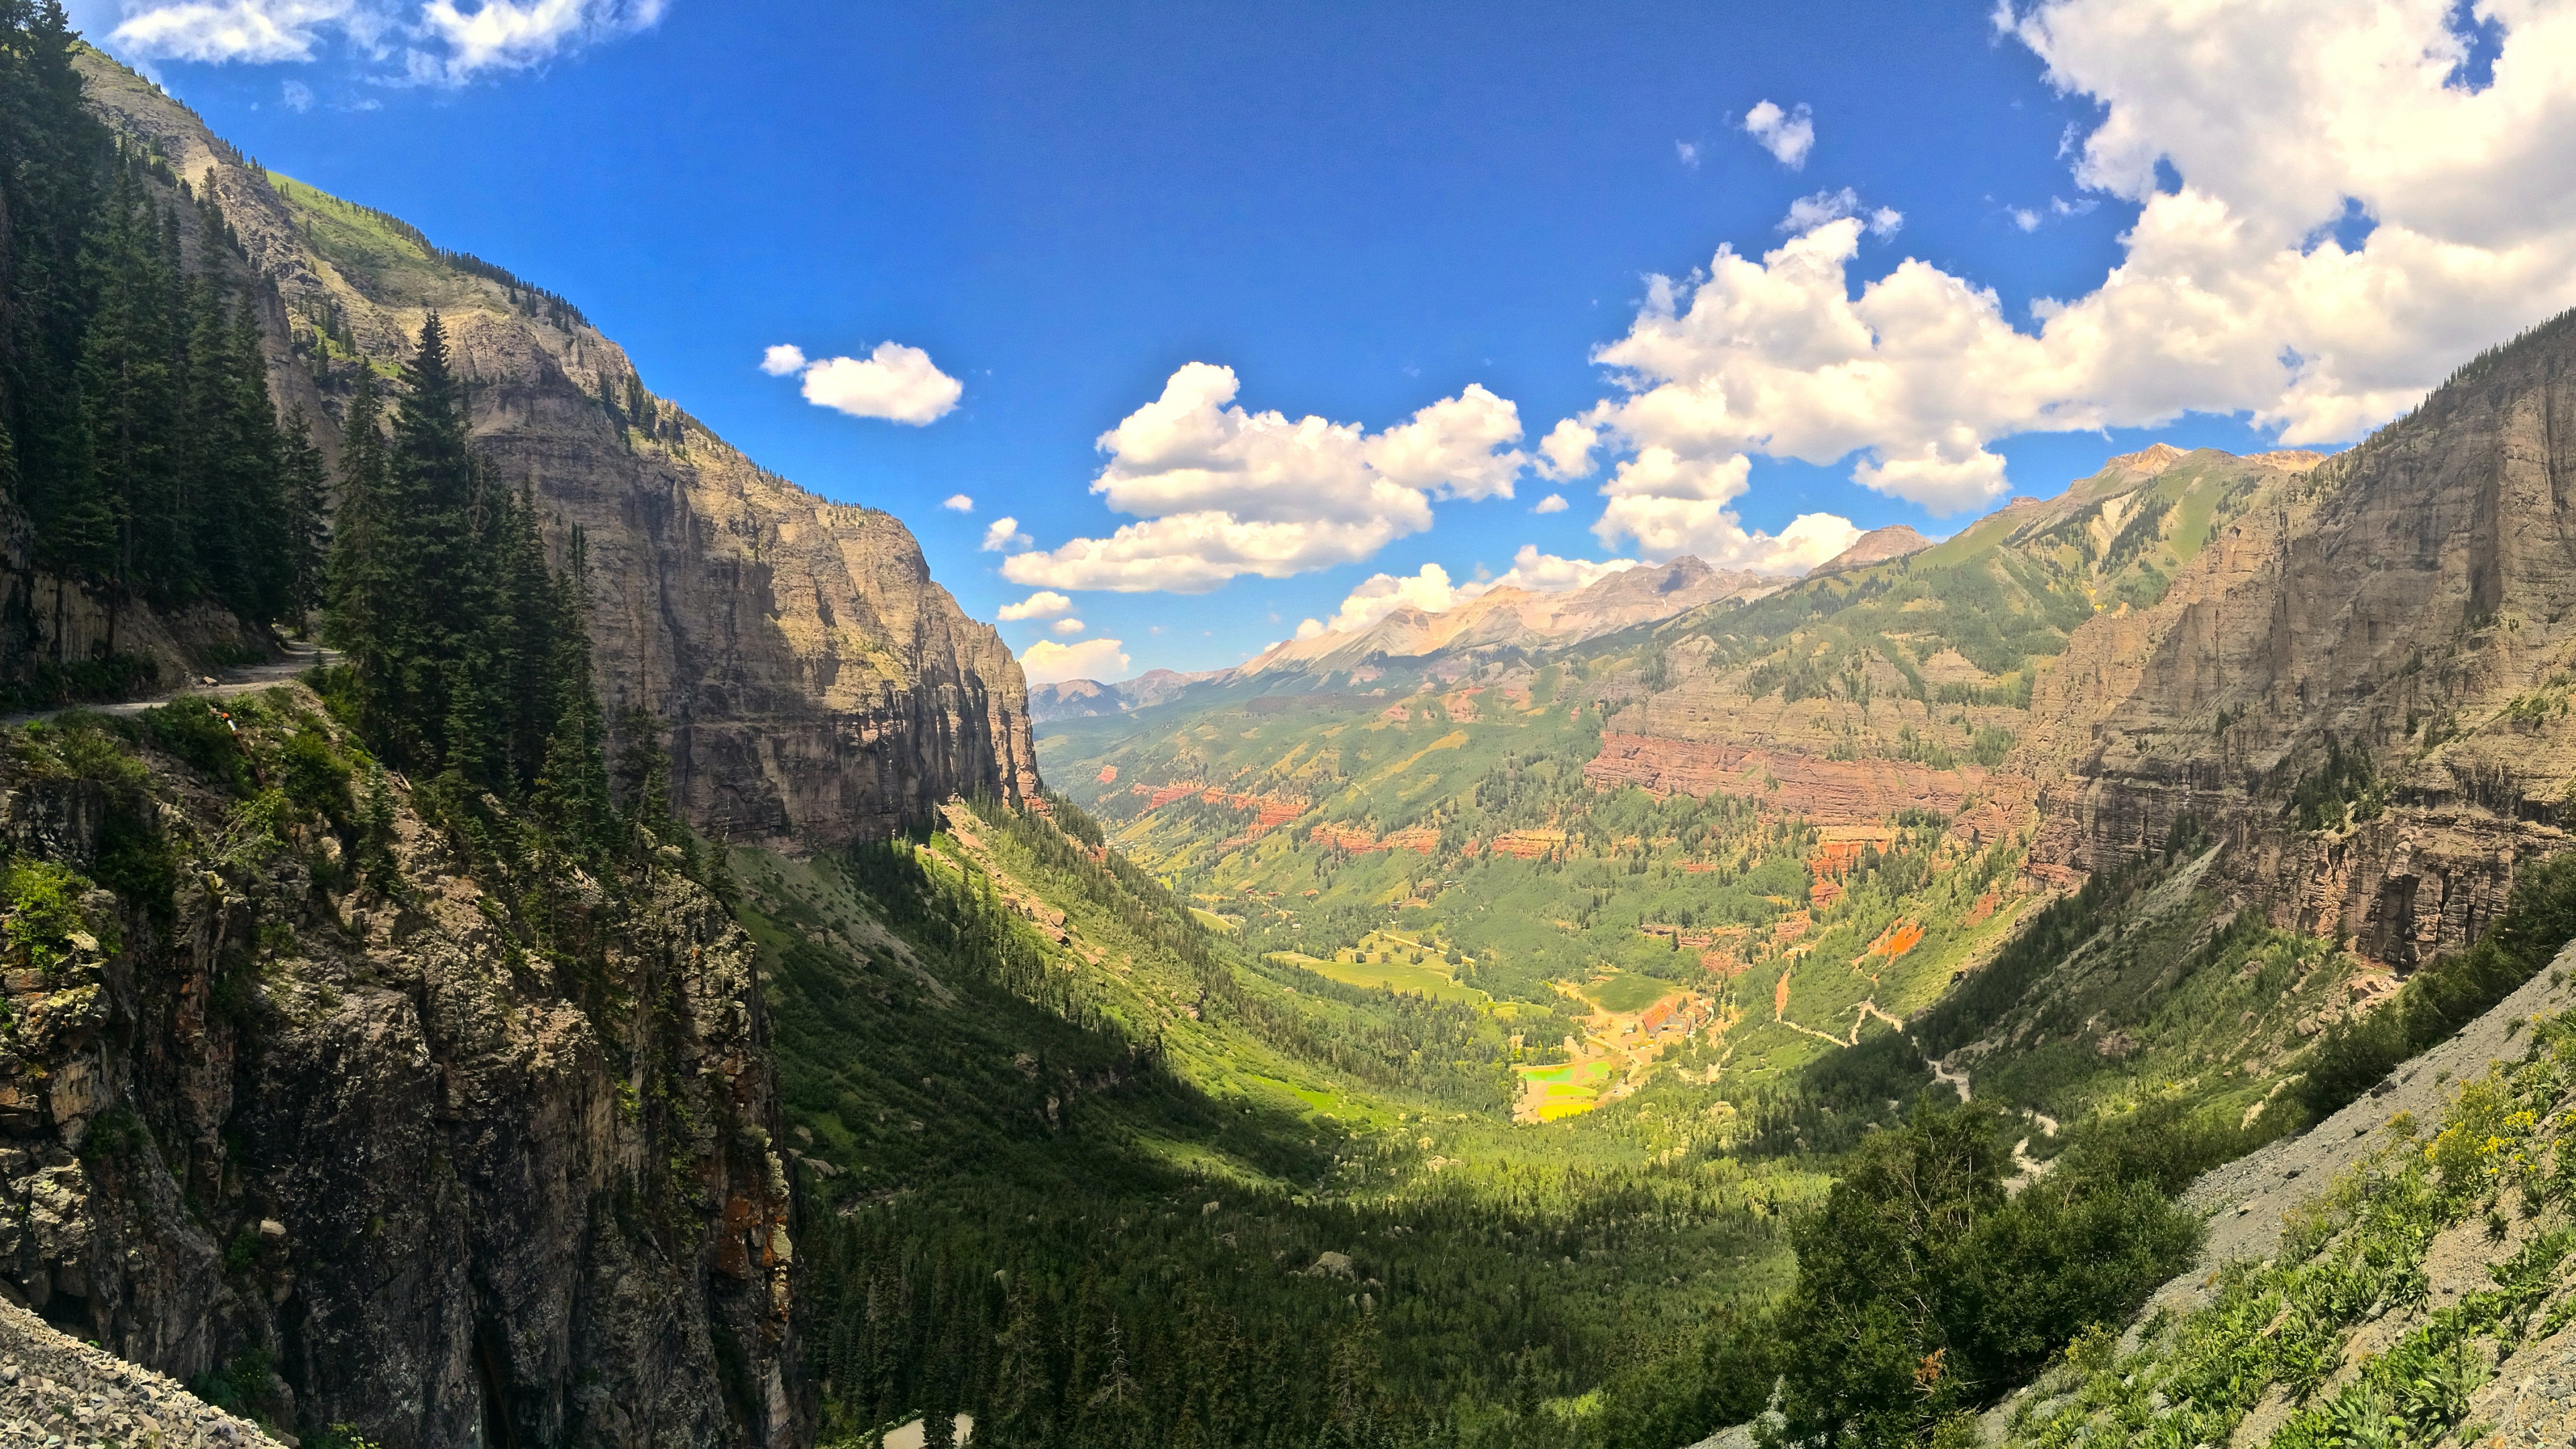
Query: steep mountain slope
{"x": 819, "y": 685}
{"x": 2364, "y": 677}
{"x": 344, "y": 1112}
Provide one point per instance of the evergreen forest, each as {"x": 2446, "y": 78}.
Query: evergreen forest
{"x": 138, "y": 435}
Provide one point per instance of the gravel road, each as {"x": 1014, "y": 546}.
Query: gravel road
{"x": 247, "y": 680}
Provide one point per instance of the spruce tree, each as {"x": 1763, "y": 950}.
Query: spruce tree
{"x": 304, "y": 492}
{"x": 367, "y": 585}
{"x": 572, "y": 788}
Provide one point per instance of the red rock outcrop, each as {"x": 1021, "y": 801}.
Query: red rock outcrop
{"x": 1828, "y": 792}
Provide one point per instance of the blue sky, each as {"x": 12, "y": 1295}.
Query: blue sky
{"x": 1363, "y": 210}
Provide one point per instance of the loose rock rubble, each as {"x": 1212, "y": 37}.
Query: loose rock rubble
{"x": 57, "y": 1393}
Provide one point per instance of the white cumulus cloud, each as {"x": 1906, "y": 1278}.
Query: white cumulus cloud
{"x": 1566, "y": 451}
{"x": 1003, "y": 535}
{"x": 1042, "y": 604}
{"x": 1545, "y": 573}
{"x": 2257, "y": 142}
{"x": 1552, "y": 503}
{"x": 1048, "y": 662}
{"x": 1067, "y": 626}
{"x": 958, "y": 503}
{"x": 440, "y": 42}
{"x": 897, "y": 383}
{"x": 1787, "y": 135}
{"x": 1429, "y": 590}
{"x": 1221, "y": 491}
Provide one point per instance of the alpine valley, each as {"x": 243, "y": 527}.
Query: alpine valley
{"x": 622, "y": 959}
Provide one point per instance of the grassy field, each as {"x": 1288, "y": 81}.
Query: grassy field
{"x": 1623, "y": 992}
{"x": 1566, "y": 1090}
{"x": 1428, "y": 981}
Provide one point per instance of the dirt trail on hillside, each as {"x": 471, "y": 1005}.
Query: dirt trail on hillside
{"x": 2244, "y": 1200}
{"x": 249, "y": 679}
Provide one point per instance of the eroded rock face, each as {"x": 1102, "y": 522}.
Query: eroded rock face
{"x": 2412, "y": 602}
{"x": 425, "y": 1180}
{"x": 817, "y": 684}
{"x": 1824, "y": 791}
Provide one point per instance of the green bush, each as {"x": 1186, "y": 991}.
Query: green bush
{"x": 43, "y": 904}
{"x": 315, "y": 777}
{"x": 190, "y": 728}
{"x": 1924, "y": 1291}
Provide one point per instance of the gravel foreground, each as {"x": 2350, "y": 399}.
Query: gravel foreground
{"x": 59, "y": 1393}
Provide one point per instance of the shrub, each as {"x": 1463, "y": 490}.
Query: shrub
{"x": 43, "y": 904}
{"x": 191, "y": 729}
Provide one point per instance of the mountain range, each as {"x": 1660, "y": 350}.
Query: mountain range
{"x": 1417, "y": 1034}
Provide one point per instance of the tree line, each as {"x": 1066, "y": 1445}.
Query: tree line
{"x": 138, "y": 438}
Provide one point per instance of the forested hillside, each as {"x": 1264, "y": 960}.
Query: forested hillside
{"x": 146, "y": 464}
{"x": 641, "y": 993}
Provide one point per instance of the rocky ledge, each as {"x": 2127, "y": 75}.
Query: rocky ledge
{"x": 60, "y": 1393}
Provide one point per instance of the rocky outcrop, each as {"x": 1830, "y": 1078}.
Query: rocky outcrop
{"x": 57, "y": 1390}
{"x": 452, "y": 1156}
{"x": 2387, "y": 638}
{"x": 816, "y": 683}
{"x": 1824, "y": 791}
{"x": 1876, "y": 546}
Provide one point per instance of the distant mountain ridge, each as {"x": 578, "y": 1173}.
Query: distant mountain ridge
{"x": 1500, "y": 618}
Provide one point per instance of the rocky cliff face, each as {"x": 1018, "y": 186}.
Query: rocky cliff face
{"x": 395, "y": 1152}
{"x": 2386, "y": 639}
{"x": 818, "y": 684}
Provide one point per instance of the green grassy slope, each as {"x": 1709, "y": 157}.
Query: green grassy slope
{"x": 979, "y": 1086}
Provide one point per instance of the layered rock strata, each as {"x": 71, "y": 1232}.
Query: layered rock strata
{"x": 2389, "y": 639}
{"x": 817, "y": 684}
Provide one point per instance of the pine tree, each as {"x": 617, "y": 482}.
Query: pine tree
{"x": 304, "y": 490}
{"x": 119, "y": 520}
{"x": 1021, "y": 1411}
{"x": 367, "y": 591}
{"x": 572, "y": 789}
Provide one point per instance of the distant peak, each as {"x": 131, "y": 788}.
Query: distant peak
{"x": 2150, "y": 460}
{"x": 2293, "y": 460}
{"x": 1876, "y": 546}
